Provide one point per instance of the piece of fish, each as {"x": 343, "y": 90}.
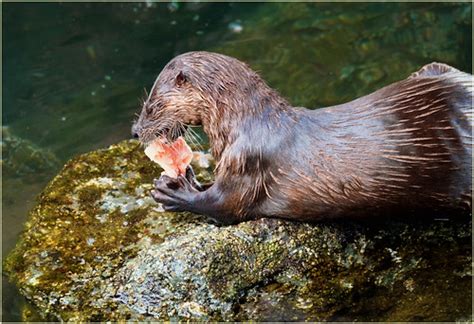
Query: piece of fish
{"x": 174, "y": 158}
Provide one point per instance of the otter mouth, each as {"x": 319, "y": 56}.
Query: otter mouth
{"x": 169, "y": 135}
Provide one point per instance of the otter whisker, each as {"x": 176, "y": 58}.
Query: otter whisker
{"x": 191, "y": 136}
{"x": 163, "y": 125}
{"x": 188, "y": 137}
{"x": 190, "y": 129}
{"x": 173, "y": 133}
{"x": 173, "y": 130}
{"x": 154, "y": 104}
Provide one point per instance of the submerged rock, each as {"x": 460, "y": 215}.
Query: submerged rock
{"x": 97, "y": 247}
{"x": 20, "y": 157}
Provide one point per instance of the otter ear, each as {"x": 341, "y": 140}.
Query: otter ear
{"x": 181, "y": 79}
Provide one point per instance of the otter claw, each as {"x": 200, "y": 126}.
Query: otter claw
{"x": 166, "y": 182}
{"x": 173, "y": 208}
{"x": 168, "y": 204}
{"x": 174, "y": 194}
{"x": 159, "y": 197}
{"x": 190, "y": 175}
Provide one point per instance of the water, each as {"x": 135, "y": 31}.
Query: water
{"x": 73, "y": 74}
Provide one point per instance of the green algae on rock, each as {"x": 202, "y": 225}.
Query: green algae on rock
{"x": 97, "y": 247}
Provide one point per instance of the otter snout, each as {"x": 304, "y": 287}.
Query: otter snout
{"x": 135, "y": 131}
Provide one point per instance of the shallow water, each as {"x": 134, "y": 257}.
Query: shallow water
{"x": 73, "y": 74}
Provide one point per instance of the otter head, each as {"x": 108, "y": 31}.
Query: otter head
{"x": 173, "y": 104}
{"x": 208, "y": 89}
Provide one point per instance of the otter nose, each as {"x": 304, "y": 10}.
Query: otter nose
{"x": 135, "y": 132}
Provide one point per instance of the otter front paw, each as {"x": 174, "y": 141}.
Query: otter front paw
{"x": 174, "y": 194}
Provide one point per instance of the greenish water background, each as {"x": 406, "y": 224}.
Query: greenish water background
{"x": 73, "y": 74}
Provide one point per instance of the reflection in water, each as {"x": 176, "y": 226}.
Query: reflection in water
{"x": 74, "y": 73}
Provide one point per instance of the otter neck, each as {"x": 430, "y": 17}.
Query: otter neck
{"x": 223, "y": 114}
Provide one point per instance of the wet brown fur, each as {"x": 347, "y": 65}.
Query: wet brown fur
{"x": 404, "y": 148}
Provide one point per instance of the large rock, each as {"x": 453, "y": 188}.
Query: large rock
{"x": 97, "y": 247}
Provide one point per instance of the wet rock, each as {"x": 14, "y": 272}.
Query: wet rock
{"x": 97, "y": 248}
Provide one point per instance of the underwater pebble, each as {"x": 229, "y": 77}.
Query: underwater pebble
{"x": 304, "y": 303}
{"x": 409, "y": 284}
{"x": 91, "y": 52}
{"x": 393, "y": 254}
{"x": 149, "y": 3}
{"x": 173, "y": 6}
{"x": 235, "y": 27}
{"x": 371, "y": 75}
{"x": 346, "y": 72}
{"x": 347, "y": 284}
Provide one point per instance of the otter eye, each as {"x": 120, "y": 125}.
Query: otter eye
{"x": 148, "y": 110}
{"x": 181, "y": 79}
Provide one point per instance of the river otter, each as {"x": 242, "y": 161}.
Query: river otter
{"x": 404, "y": 149}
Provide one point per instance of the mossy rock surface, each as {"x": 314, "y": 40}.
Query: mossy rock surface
{"x": 97, "y": 247}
